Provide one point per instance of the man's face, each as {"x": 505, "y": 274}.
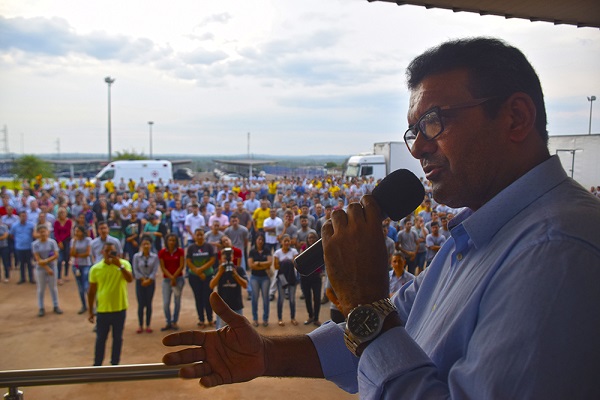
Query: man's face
{"x": 435, "y": 229}
{"x": 465, "y": 163}
{"x": 407, "y": 225}
{"x": 103, "y": 231}
{"x": 109, "y": 253}
{"x": 303, "y": 222}
{"x": 273, "y": 213}
{"x": 199, "y": 237}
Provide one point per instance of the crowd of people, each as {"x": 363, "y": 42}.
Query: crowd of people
{"x": 177, "y": 231}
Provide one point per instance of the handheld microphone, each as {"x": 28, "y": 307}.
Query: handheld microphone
{"x": 398, "y": 194}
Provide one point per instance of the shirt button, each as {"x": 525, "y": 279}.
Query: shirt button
{"x": 459, "y": 256}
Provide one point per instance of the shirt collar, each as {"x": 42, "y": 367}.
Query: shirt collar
{"x": 483, "y": 224}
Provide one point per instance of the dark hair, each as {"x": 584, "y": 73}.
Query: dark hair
{"x": 170, "y": 235}
{"x": 81, "y": 229}
{"x": 495, "y": 68}
{"x": 146, "y": 238}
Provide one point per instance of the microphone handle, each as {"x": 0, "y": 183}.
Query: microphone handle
{"x": 311, "y": 260}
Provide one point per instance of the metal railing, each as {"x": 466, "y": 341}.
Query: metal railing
{"x": 13, "y": 380}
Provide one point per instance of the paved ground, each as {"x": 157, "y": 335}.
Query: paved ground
{"x": 67, "y": 340}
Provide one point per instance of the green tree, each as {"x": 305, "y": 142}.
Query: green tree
{"x": 129, "y": 155}
{"x": 330, "y": 164}
{"x": 29, "y": 166}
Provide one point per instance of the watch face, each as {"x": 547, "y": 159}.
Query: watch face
{"x": 364, "y": 322}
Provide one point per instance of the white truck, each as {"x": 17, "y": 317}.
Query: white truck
{"x": 150, "y": 170}
{"x": 385, "y": 158}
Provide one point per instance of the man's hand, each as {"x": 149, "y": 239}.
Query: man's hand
{"x": 355, "y": 254}
{"x": 235, "y": 353}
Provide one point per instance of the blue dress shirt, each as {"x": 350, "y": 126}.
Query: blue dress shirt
{"x": 508, "y": 309}
{"x": 23, "y": 235}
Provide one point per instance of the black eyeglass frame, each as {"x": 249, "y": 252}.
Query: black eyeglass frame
{"x": 438, "y": 111}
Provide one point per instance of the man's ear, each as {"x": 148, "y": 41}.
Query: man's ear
{"x": 521, "y": 113}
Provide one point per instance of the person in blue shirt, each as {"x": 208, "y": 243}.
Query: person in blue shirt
{"x": 22, "y": 233}
{"x": 509, "y": 307}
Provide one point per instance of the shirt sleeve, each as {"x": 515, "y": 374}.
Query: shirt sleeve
{"x": 521, "y": 353}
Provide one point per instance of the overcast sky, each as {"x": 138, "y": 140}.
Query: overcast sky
{"x": 303, "y": 77}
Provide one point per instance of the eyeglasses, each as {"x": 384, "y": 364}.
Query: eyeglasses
{"x": 431, "y": 124}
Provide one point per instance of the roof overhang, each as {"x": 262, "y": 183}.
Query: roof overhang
{"x": 581, "y": 13}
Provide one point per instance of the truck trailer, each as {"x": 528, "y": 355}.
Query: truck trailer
{"x": 385, "y": 158}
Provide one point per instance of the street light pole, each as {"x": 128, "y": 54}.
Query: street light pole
{"x": 150, "y": 123}
{"x": 109, "y": 81}
{"x": 591, "y": 100}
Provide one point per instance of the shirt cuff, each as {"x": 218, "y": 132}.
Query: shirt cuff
{"x": 388, "y": 357}
{"x": 339, "y": 365}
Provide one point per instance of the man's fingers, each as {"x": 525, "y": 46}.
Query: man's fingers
{"x": 197, "y": 370}
{"x": 231, "y": 318}
{"x": 186, "y": 338}
{"x": 371, "y": 208}
{"x": 187, "y": 356}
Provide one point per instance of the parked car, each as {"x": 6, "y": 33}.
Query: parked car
{"x": 231, "y": 177}
{"x": 183, "y": 174}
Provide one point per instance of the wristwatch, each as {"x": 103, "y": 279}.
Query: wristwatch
{"x": 365, "y": 322}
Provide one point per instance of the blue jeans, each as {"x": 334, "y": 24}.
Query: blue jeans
{"x": 43, "y": 279}
{"x": 281, "y": 298}
{"x": 220, "y": 323}
{"x": 5, "y": 254}
{"x": 24, "y": 257}
{"x": 82, "y": 282}
{"x": 105, "y": 321}
{"x": 201, "y": 294}
{"x": 63, "y": 256}
{"x": 176, "y": 291}
{"x": 260, "y": 285}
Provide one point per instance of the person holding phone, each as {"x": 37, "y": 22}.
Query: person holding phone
{"x": 108, "y": 283}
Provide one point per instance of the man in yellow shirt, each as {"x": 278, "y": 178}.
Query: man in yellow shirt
{"x": 260, "y": 214}
{"x": 109, "y": 186}
{"x": 272, "y": 190}
{"x": 108, "y": 282}
{"x": 131, "y": 185}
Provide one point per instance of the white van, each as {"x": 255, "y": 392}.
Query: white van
{"x": 150, "y": 170}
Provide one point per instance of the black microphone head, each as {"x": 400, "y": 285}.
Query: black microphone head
{"x": 399, "y": 194}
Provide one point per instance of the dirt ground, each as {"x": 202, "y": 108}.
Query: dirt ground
{"x": 59, "y": 341}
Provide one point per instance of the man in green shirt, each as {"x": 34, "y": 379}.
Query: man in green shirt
{"x": 108, "y": 283}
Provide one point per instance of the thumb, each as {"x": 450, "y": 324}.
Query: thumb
{"x": 231, "y": 318}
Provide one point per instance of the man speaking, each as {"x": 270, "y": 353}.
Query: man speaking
{"x": 509, "y": 308}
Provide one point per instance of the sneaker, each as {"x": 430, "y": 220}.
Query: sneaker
{"x": 317, "y": 323}
{"x": 166, "y": 327}
{"x": 174, "y": 326}
{"x": 82, "y": 310}
{"x": 41, "y": 313}
{"x": 301, "y": 296}
{"x": 149, "y": 330}
{"x": 308, "y": 321}
{"x": 272, "y": 297}
{"x": 6, "y": 280}
{"x": 20, "y": 282}
{"x": 324, "y": 300}
{"x": 57, "y": 310}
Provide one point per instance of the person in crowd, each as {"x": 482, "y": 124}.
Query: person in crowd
{"x": 115, "y": 225}
{"x": 178, "y": 216}
{"x": 45, "y": 253}
{"x": 103, "y": 238}
{"x": 108, "y": 284}
{"x": 22, "y": 233}
{"x": 229, "y": 281}
{"x": 502, "y": 296}
{"x": 155, "y": 230}
{"x": 5, "y": 250}
{"x": 398, "y": 274}
{"x": 286, "y": 278}
{"x": 270, "y": 226}
{"x": 172, "y": 263}
{"x": 133, "y": 229}
{"x": 80, "y": 250}
{"x": 434, "y": 241}
{"x": 200, "y": 259}
{"x": 63, "y": 226}
{"x": 9, "y": 220}
{"x": 311, "y": 286}
{"x": 408, "y": 244}
{"x": 145, "y": 265}
{"x": 421, "y": 231}
{"x": 194, "y": 221}
{"x": 260, "y": 261}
